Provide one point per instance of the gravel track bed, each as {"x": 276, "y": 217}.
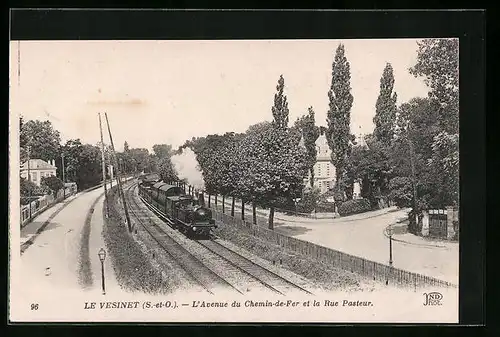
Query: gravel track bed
{"x": 325, "y": 277}
{"x": 237, "y": 278}
{"x": 241, "y": 272}
{"x": 269, "y": 278}
{"x": 198, "y": 271}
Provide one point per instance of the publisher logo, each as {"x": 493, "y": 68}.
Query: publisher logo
{"x": 433, "y": 298}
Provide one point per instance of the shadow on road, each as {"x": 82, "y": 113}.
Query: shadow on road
{"x": 292, "y": 230}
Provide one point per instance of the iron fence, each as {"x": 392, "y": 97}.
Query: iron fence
{"x": 337, "y": 259}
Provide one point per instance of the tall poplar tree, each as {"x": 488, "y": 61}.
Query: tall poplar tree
{"x": 306, "y": 125}
{"x": 385, "y": 108}
{"x": 280, "y": 107}
{"x": 339, "y": 114}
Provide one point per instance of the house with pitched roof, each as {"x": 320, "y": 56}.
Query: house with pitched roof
{"x": 38, "y": 169}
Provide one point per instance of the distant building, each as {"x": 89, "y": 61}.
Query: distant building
{"x": 38, "y": 169}
{"x": 324, "y": 171}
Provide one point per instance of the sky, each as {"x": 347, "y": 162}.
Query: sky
{"x": 158, "y": 92}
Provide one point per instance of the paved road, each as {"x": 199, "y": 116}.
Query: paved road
{"x": 363, "y": 235}
{"x": 52, "y": 262}
{"x": 365, "y": 238}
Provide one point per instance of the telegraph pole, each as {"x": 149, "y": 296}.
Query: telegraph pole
{"x": 118, "y": 176}
{"x": 104, "y": 167}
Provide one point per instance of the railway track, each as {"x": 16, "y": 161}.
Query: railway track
{"x": 241, "y": 273}
{"x": 268, "y": 278}
{"x": 200, "y": 273}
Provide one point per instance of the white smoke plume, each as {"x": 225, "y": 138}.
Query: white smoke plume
{"x": 187, "y": 167}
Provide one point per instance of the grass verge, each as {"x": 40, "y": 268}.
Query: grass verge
{"x": 132, "y": 267}
{"x": 324, "y": 276}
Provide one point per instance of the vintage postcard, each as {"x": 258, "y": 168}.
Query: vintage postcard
{"x": 311, "y": 181}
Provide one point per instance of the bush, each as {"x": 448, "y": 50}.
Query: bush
{"x": 354, "y": 207}
{"x": 53, "y": 183}
{"x": 309, "y": 200}
{"x": 325, "y": 207}
{"x": 29, "y": 188}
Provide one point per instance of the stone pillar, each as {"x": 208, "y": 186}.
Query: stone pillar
{"x": 425, "y": 223}
{"x": 449, "y": 223}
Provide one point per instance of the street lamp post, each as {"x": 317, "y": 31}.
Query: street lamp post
{"x": 102, "y": 257}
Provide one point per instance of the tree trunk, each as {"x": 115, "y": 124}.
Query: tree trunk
{"x": 232, "y": 207}
{"x": 271, "y": 218}
{"x": 242, "y": 209}
{"x": 209, "y": 197}
{"x": 223, "y": 204}
{"x": 215, "y": 196}
{"x": 312, "y": 178}
{"x": 254, "y": 213}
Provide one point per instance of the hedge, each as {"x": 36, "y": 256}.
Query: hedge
{"x": 354, "y": 207}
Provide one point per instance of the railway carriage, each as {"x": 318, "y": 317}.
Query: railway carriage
{"x": 181, "y": 209}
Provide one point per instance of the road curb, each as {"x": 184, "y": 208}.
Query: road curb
{"x": 412, "y": 243}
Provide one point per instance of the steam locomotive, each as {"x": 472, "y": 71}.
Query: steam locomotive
{"x": 181, "y": 210}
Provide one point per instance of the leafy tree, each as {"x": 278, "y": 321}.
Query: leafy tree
{"x": 370, "y": 165}
{"x": 258, "y": 127}
{"x": 280, "y": 107}
{"x": 162, "y": 150}
{"x": 438, "y": 63}
{"x": 425, "y": 160}
{"x": 309, "y": 132}
{"x": 309, "y": 200}
{"x": 271, "y": 166}
{"x": 139, "y": 157}
{"x": 225, "y": 167}
{"x": 82, "y": 163}
{"x": 385, "y": 108}
{"x": 28, "y": 188}
{"x": 126, "y": 147}
{"x": 401, "y": 191}
{"x": 167, "y": 171}
{"x": 444, "y": 165}
{"x": 153, "y": 163}
{"x": 23, "y": 142}
{"x": 43, "y": 139}
{"x": 53, "y": 183}
{"x": 339, "y": 114}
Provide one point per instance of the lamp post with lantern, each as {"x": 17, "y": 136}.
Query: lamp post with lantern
{"x": 102, "y": 257}
{"x": 390, "y": 232}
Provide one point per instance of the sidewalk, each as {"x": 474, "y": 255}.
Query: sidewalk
{"x": 412, "y": 239}
{"x": 30, "y": 230}
{"x": 33, "y": 228}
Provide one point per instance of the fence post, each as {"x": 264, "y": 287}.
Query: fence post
{"x": 450, "y": 230}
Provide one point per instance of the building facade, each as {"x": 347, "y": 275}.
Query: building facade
{"x": 324, "y": 171}
{"x": 37, "y": 170}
